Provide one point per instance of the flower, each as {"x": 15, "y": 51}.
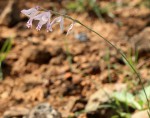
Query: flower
{"x": 60, "y": 20}
{"x": 43, "y": 18}
{"x": 31, "y": 13}
{"x": 70, "y": 28}
{"x": 62, "y": 23}
{"x": 48, "y": 26}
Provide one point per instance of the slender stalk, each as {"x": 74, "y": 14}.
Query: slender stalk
{"x": 122, "y": 54}
{"x": 117, "y": 49}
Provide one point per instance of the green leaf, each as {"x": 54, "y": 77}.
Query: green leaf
{"x": 5, "y": 49}
{"x": 3, "y": 53}
{"x": 142, "y": 97}
{"x": 127, "y": 98}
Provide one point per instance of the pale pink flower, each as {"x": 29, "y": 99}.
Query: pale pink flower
{"x": 60, "y": 20}
{"x": 48, "y": 26}
{"x": 43, "y": 18}
{"x": 70, "y": 28}
{"x": 62, "y": 23}
{"x": 31, "y": 13}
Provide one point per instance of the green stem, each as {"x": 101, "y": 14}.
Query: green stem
{"x": 117, "y": 49}
{"x": 122, "y": 54}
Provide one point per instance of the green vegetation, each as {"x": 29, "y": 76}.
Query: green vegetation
{"x": 88, "y": 5}
{"x": 3, "y": 53}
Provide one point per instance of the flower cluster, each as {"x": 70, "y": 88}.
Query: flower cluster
{"x": 44, "y": 17}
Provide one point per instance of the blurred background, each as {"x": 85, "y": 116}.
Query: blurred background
{"x": 79, "y": 75}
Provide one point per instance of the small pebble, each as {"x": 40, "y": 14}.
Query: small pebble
{"x": 44, "y": 110}
{"x": 82, "y": 37}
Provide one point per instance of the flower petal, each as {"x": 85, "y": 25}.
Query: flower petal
{"x": 48, "y": 26}
{"x": 43, "y": 18}
{"x": 38, "y": 17}
{"x": 60, "y": 20}
{"x": 70, "y": 28}
{"x": 62, "y": 24}
{"x": 30, "y": 12}
{"x": 39, "y": 26}
{"x": 29, "y": 23}
{"x": 56, "y": 20}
